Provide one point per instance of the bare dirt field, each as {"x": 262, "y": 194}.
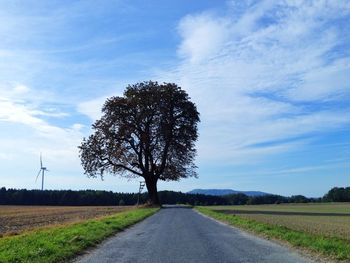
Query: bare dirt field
{"x": 328, "y": 219}
{"x": 16, "y": 219}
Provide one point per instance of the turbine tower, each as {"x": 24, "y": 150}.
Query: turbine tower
{"x": 42, "y": 171}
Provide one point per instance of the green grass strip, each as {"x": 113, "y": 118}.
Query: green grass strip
{"x": 57, "y": 244}
{"x": 328, "y": 246}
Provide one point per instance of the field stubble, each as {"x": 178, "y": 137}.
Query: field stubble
{"x": 17, "y": 219}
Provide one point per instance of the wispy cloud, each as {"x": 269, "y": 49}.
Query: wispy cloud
{"x": 55, "y": 60}
{"x": 27, "y": 130}
{"x": 271, "y": 79}
{"x": 92, "y": 108}
{"x": 252, "y": 71}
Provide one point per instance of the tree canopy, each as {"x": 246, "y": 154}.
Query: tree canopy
{"x": 149, "y": 132}
{"x": 338, "y": 194}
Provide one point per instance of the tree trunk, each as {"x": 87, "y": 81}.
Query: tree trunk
{"x": 152, "y": 191}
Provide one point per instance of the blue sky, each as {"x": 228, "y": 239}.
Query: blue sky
{"x": 271, "y": 80}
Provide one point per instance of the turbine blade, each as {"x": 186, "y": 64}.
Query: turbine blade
{"x": 41, "y": 161}
{"x": 36, "y": 179}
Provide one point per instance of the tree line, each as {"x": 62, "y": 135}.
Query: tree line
{"x": 338, "y": 194}
{"x": 94, "y": 197}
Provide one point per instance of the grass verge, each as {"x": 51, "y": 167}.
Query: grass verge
{"x": 58, "y": 244}
{"x": 331, "y": 247}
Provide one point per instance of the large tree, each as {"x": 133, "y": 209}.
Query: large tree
{"x": 149, "y": 132}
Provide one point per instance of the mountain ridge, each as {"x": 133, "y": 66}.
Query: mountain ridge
{"x": 221, "y": 192}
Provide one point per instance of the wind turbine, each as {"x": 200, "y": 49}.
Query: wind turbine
{"x": 42, "y": 171}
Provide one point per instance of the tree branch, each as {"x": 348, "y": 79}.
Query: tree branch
{"x": 124, "y": 167}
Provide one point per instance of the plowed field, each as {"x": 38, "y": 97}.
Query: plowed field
{"x": 16, "y": 219}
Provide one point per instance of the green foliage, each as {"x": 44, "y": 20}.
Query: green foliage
{"x": 170, "y": 197}
{"x": 328, "y": 246}
{"x": 92, "y": 197}
{"x": 338, "y": 194}
{"x": 58, "y": 244}
{"x": 65, "y": 197}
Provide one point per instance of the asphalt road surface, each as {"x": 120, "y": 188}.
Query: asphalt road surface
{"x": 178, "y": 234}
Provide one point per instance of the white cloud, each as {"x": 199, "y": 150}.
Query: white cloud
{"x": 26, "y": 131}
{"x": 248, "y": 71}
{"x": 202, "y": 36}
{"x": 20, "y": 89}
{"x": 324, "y": 83}
{"x": 17, "y": 106}
{"x": 267, "y": 77}
{"x": 92, "y": 108}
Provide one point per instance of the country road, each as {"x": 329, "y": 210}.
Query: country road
{"x": 179, "y": 234}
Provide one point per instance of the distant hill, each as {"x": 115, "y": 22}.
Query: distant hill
{"x": 221, "y": 192}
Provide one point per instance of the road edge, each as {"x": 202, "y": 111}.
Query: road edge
{"x": 311, "y": 255}
{"x": 90, "y": 249}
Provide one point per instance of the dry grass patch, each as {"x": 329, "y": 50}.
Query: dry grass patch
{"x": 320, "y": 228}
{"x": 327, "y": 219}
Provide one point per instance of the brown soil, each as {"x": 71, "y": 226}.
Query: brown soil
{"x": 16, "y": 219}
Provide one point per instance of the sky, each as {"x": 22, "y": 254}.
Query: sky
{"x": 271, "y": 80}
